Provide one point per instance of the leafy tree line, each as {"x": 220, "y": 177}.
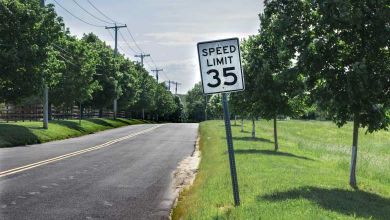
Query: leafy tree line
{"x": 325, "y": 57}
{"x": 37, "y": 49}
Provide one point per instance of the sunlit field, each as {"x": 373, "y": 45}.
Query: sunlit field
{"x": 306, "y": 179}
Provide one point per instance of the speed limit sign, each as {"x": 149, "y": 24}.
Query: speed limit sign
{"x": 220, "y": 66}
{"x": 221, "y": 72}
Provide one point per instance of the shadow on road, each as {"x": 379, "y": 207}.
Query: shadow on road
{"x": 349, "y": 202}
{"x": 270, "y": 152}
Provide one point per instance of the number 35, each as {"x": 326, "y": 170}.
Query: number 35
{"x": 226, "y": 73}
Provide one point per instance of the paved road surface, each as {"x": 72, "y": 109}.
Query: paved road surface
{"x": 124, "y": 173}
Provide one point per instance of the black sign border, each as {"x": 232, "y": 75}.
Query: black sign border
{"x": 239, "y": 56}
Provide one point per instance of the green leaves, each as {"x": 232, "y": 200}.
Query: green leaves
{"x": 35, "y": 49}
{"x": 26, "y": 33}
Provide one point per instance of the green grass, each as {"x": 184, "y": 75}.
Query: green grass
{"x": 22, "y": 133}
{"x": 306, "y": 179}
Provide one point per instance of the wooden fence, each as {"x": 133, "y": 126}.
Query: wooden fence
{"x": 34, "y": 112}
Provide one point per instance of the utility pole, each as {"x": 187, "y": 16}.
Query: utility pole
{"x": 116, "y": 28}
{"x": 176, "y": 83}
{"x": 45, "y": 95}
{"x": 157, "y": 71}
{"x": 142, "y": 56}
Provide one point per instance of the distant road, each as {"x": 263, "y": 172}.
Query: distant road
{"x": 123, "y": 173}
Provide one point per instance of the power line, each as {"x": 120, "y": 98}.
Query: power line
{"x": 76, "y": 16}
{"x": 157, "y": 71}
{"x": 112, "y": 36}
{"x": 131, "y": 35}
{"x": 101, "y": 12}
{"x": 62, "y": 49}
{"x": 142, "y": 56}
{"x": 123, "y": 38}
{"x": 82, "y": 8}
{"x": 67, "y": 60}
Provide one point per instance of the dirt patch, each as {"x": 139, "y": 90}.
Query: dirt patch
{"x": 183, "y": 177}
{"x": 185, "y": 173}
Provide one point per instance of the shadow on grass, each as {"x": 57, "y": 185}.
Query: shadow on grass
{"x": 270, "y": 152}
{"x": 16, "y": 135}
{"x": 355, "y": 203}
{"x": 69, "y": 124}
{"x": 252, "y": 139}
{"x": 100, "y": 122}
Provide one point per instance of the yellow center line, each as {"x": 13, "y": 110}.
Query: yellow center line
{"x": 58, "y": 158}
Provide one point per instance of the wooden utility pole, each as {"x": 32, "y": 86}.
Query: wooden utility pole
{"x": 157, "y": 71}
{"x": 142, "y": 56}
{"x": 45, "y": 95}
{"x": 116, "y": 28}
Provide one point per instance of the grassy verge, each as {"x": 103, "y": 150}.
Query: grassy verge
{"x": 22, "y": 133}
{"x": 307, "y": 179}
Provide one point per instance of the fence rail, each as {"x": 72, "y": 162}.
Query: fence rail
{"x": 11, "y": 113}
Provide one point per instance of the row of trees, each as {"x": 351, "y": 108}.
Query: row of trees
{"x": 36, "y": 49}
{"x": 332, "y": 56}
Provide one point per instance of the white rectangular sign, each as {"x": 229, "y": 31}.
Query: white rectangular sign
{"x": 220, "y": 66}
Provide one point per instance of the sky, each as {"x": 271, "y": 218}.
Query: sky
{"x": 168, "y": 30}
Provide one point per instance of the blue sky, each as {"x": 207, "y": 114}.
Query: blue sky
{"x": 167, "y": 29}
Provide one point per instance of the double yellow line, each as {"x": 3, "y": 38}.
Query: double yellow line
{"x": 54, "y": 159}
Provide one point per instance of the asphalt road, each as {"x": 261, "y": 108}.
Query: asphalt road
{"x": 123, "y": 173}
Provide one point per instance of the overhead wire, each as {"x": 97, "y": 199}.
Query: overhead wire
{"x": 62, "y": 49}
{"x": 127, "y": 43}
{"x": 119, "y": 46}
{"x": 67, "y": 60}
{"x": 78, "y": 18}
{"x": 100, "y": 12}
{"x": 132, "y": 37}
{"x": 92, "y": 15}
{"x": 105, "y": 21}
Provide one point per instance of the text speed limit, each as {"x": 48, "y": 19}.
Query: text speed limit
{"x": 220, "y": 66}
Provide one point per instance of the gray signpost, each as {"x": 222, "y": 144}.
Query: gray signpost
{"x": 221, "y": 72}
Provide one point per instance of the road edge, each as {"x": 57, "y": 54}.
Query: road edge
{"x": 182, "y": 178}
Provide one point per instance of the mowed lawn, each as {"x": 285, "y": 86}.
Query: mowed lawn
{"x": 22, "y": 133}
{"x": 306, "y": 179}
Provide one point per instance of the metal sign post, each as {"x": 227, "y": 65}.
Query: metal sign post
{"x": 232, "y": 160}
{"x": 221, "y": 72}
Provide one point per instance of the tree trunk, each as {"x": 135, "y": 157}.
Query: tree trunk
{"x": 276, "y": 135}
{"x": 50, "y": 112}
{"x": 242, "y": 124}
{"x": 253, "y": 128}
{"x": 352, "y": 176}
{"x": 143, "y": 114}
{"x": 235, "y": 120}
{"x": 80, "y": 113}
{"x": 101, "y": 113}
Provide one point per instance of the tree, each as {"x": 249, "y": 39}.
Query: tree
{"x": 77, "y": 79}
{"x": 128, "y": 84}
{"x": 107, "y": 74}
{"x": 26, "y": 33}
{"x": 179, "y": 114}
{"x": 214, "y": 107}
{"x": 347, "y": 61}
{"x": 196, "y": 103}
{"x": 146, "y": 102}
{"x": 279, "y": 83}
{"x": 164, "y": 102}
